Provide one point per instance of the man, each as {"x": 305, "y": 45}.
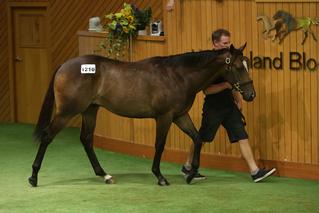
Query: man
{"x": 222, "y": 106}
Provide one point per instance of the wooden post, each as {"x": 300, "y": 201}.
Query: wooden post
{"x": 130, "y": 48}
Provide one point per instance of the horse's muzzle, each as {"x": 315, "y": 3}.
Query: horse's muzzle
{"x": 250, "y": 97}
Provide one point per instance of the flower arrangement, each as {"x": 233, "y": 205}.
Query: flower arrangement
{"x": 123, "y": 26}
{"x": 123, "y": 23}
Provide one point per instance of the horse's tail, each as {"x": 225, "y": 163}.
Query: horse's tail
{"x": 46, "y": 111}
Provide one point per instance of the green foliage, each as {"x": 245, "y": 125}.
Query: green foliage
{"x": 143, "y": 17}
{"x": 121, "y": 27}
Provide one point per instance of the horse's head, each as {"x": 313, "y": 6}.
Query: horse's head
{"x": 236, "y": 72}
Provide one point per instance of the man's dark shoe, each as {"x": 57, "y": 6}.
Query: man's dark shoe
{"x": 197, "y": 175}
{"x": 262, "y": 174}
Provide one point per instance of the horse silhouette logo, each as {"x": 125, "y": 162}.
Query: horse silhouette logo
{"x": 283, "y": 23}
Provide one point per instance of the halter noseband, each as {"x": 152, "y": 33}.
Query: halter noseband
{"x": 237, "y": 85}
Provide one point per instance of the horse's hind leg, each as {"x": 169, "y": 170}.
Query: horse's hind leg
{"x": 185, "y": 123}
{"x": 87, "y": 130}
{"x": 163, "y": 124}
{"x": 55, "y": 126}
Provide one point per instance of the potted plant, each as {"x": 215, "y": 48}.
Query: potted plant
{"x": 122, "y": 27}
{"x": 143, "y": 18}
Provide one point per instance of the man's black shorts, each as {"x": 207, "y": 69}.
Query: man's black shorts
{"x": 229, "y": 117}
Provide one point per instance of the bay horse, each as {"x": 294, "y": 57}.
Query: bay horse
{"x": 163, "y": 88}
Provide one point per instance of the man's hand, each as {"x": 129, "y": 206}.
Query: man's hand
{"x": 170, "y": 5}
{"x": 227, "y": 85}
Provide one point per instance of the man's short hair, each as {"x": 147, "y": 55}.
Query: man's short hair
{"x": 217, "y": 34}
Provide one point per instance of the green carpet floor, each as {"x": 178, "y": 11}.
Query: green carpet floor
{"x": 67, "y": 183}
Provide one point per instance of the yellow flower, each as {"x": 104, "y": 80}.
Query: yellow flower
{"x": 130, "y": 19}
{"x": 125, "y": 29}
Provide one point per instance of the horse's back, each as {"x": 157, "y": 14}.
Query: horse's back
{"x": 140, "y": 89}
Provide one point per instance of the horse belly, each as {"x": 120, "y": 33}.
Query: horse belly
{"x": 128, "y": 107}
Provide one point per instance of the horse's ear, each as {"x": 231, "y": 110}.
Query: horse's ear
{"x": 241, "y": 49}
{"x": 231, "y": 48}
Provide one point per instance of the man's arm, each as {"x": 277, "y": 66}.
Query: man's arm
{"x": 238, "y": 99}
{"x": 216, "y": 88}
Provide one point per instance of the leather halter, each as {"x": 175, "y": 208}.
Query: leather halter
{"x": 237, "y": 85}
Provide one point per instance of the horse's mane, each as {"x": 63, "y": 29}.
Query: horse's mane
{"x": 189, "y": 59}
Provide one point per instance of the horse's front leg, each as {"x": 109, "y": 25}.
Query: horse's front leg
{"x": 163, "y": 124}
{"x": 185, "y": 123}
{"x": 195, "y": 162}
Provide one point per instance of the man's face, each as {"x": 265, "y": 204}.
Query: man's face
{"x": 224, "y": 42}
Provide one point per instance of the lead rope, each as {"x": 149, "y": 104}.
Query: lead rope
{"x": 241, "y": 114}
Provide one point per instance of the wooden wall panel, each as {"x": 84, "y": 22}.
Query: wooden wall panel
{"x": 5, "y": 111}
{"x": 68, "y": 17}
{"x": 65, "y": 19}
{"x": 314, "y": 106}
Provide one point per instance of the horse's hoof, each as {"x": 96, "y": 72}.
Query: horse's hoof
{"x": 108, "y": 179}
{"x": 33, "y": 181}
{"x": 163, "y": 182}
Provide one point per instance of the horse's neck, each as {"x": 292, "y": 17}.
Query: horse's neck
{"x": 201, "y": 78}
{"x": 196, "y": 75}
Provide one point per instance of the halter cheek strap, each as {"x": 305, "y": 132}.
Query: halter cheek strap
{"x": 236, "y": 86}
